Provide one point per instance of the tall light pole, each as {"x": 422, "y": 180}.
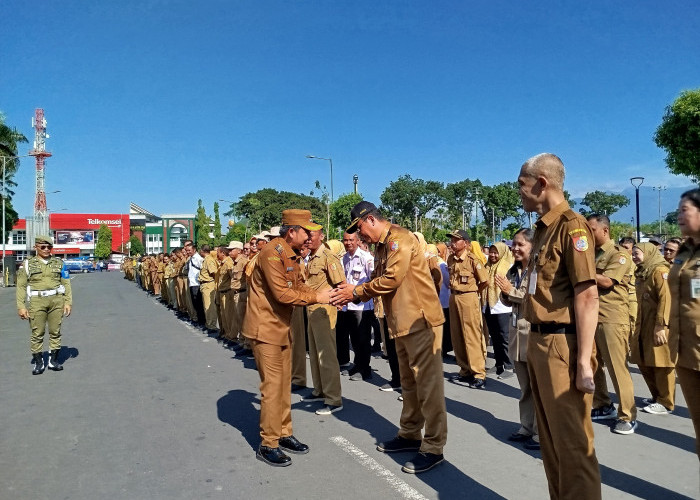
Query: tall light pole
{"x": 330, "y": 160}
{"x": 355, "y": 178}
{"x": 659, "y": 189}
{"x": 637, "y": 182}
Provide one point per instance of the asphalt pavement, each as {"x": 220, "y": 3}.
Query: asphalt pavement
{"x": 149, "y": 407}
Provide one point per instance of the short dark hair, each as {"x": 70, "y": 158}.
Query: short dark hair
{"x": 527, "y": 233}
{"x": 285, "y": 229}
{"x": 600, "y": 218}
{"x": 627, "y": 240}
{"x": 206, "y": 248}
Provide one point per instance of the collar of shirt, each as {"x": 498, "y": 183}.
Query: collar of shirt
{"x": 551, "y": 216}
{"x": 463, "y": 255}
{"x": 384, "y": 235}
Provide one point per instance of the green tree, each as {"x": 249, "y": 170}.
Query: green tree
{"x": 218, "y": 239}
{"x": 460, "y": 198}
{"x": 340, "y": 214}
{"x": 237, "y": 232}
{"x": 263, "y": 208}
{"x": 409, "y": 200}
{"x": 500, "y": 202}
{"x": 621, "y": 229}
{"x": 599, "y": 202}
{"x": 202, "y": 226}
{"x": 679, "y": 135}
{"x": 103, "y": 247}
{"x": 135, "y": 246}
{"x": 9, "y": 140}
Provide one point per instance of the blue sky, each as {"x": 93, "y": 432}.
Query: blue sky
{"x": 163, "y": 102}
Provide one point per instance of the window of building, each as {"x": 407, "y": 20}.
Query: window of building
{"x": 19, "y": 237}
{"x": 20, "y": 255}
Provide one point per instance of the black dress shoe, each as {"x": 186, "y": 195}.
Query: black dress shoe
{"x": 531, "y": 444}
{"x": 273, "y": 456}
{"x": 297, "y": 387}
{"x": 477, "y": 383}
{"x": 399, "y": 444}
{"x": 293, "y": 445}
{"x": 518, "y": 438}
{"x": 422, "y": 462}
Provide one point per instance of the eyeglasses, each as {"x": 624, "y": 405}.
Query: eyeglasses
{"x": 44, "y": 247}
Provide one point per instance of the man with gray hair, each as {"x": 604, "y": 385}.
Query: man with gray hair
{"x": 561, "y": 305}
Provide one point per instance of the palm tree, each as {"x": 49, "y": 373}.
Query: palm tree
{"x": 10, "y": 137}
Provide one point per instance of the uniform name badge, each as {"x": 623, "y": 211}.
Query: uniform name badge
{"x": 695, "y": 288}
{"x": 532, "y": 286}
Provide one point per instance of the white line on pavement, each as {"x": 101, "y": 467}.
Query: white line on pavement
{"x": 369, "y": 463}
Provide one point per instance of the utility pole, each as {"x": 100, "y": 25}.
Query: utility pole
{"x": 476, "y": 214}
{"x": 659, "y": 189}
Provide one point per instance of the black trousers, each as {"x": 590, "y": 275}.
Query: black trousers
{"x": 498, "y": 331}
{"x": 198, "y": 304}
{"x": 446, "y": 337}
{"x": 391, "y": 354}
{"x": 355, "y": 326}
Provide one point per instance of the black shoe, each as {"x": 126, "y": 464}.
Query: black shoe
{"x": 422, "y": 462}
{"x": 273, "y": 456}
{"x": 293, "y": 445}
{"x": 245, "y": 352}
{"x": 297, "y": 387}
{"x": 399, "y": 444}
{"x": 53, "y": 361}
{"x": 38, "y": 362}
{"x": 464, "y": 379}
{"x": 531, "y": 444}
{"x": 313, "y": 397}
{"x": 518, "y": 438}
{"x": 477, "y": 383}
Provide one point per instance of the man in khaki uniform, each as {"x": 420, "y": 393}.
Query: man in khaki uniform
{"x": 239, "y": 295}
{"x": 207, "y": 288}
{"x": 323, "y": 272}
{"x": 414, "y": 316}
{"x": 612, "y": 333}
{"x": 561, "y": 305}
{"x": 299, "y": 333}
{"x": 223, "y": 294}
{"x": 467, "y": 278}
{"x": 45, "y": 282}
{"x": 276, "y": 286}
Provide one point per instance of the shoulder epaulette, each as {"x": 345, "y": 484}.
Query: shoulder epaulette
{"x": 279, "y": 248}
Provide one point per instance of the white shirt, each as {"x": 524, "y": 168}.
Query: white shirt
{"x": 194, "y": 266}
{"x": 445, "y": 286}
{"x": 358, "y": 269}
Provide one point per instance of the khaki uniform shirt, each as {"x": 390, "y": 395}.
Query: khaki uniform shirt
{"x": 223, "y": 275}
{"x": 238, "y": 279}
{"x": 562, "y": 257}
{"x": 324, "y": 270}
{"x": 612, "y": 261}
{"x": 38, "y": 275}
{"x": 654, "y": 310}
{"x": 684, "y": 335}
{"x": 208, "y": 272}
{"x": 276, "y": 286}
{"x": 466, "y": 272}
{"x": 402, "y": 278}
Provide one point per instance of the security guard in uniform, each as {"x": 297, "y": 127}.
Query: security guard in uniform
{"x": 561, "y": 305}
{"x": 402, "y": 278}
{"x": 276, "y": 286}
{"x": 44, "y": 280}
{"x": 467, "y": 278}
{"x": 612, "y": 333}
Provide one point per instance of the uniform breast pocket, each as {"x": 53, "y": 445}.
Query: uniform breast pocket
{"x": 547, "y": 263}
{"x": 464, "y": 277}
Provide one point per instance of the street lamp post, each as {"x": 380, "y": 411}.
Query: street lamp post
{"x": 659, "y": 189}
{"x": 637, "y": 182}
{"x": 330, "y": 160}
{"x": 355, "y": 178}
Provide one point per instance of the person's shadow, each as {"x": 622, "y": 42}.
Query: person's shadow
{"x": 236, "y": 409}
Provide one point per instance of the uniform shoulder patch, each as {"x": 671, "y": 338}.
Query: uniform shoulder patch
{"x": 580, "y": 241}
{"x": 664, "y": 276}
{"x": 274, "y": 257}
{"x": 279, "y": 249}
{"x": 622, "y": 260}
{"x": 393, "y": 246}
{"x": 334, "y": 267}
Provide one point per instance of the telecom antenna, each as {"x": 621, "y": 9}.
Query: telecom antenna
{"x": 41, "y": 217}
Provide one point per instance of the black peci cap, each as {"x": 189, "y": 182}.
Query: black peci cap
{"x": 359, "y": 211}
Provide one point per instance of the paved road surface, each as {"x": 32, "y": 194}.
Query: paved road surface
{"x": 148, "y": 408}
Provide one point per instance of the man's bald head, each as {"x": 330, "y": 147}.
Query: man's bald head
{"x": 546, "y": 165}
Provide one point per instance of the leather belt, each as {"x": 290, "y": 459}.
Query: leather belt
{"x": 241, "y": 291}
{"x": 459, "y": 292}
{"x": 547, "y": 328}
{"x": 43, "y": 293}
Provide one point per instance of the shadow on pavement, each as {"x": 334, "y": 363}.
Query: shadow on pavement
{"x": 67, "y": 353}
{"x": 236, "y": 409}
{"x": 637, "y": 486}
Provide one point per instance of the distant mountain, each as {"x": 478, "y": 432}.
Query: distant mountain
{"x": 648, "y": 203}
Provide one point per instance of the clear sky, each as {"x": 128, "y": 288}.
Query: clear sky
{"x": 162, "y": 102}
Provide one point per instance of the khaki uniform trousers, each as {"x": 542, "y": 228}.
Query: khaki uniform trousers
{"x": 563, "y": 417}
{"x": 172, "y": 297}
{"x": 325, "y": 370}
{"x": 43, "y": 311}
{"x": 690, "y": 384}
{"x": 467, "y": 338}
{"x": 179, "y": 293}
{"x": 240, "y": 301}
{"x": 191, "y": 311}
{"x": 422, "y": 384}
{"x": 612, "y": 346}
{"x": 274, "y": 367}
{"x": 208, "y": 291}
{"x": 526, "y": 405}
{"x": 661, "y": 381}
{"x": 227, "y": 321}
{"x": 298, "y": 347}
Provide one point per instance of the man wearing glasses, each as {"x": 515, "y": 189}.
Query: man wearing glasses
{"x": 44, "y": 280}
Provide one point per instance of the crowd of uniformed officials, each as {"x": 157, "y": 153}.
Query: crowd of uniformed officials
{"x": 561, "y": 305}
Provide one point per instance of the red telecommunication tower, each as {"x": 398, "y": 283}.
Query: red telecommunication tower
{"x": 41, "y": 218}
